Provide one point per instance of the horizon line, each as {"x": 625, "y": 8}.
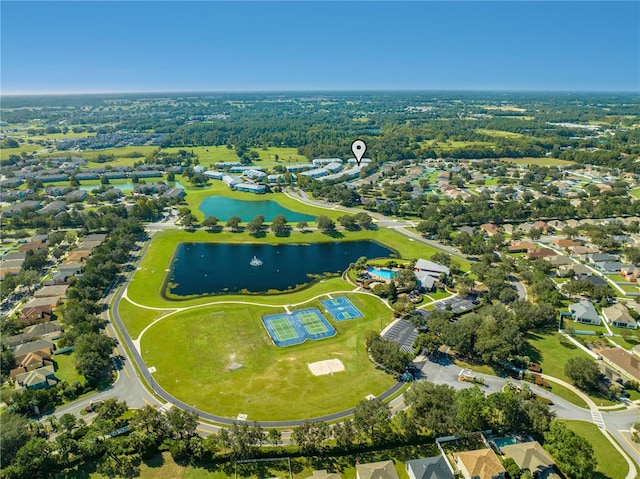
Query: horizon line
{"x": 346, "y": 90}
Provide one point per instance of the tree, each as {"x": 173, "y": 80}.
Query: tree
{"x": 279, "y": 225}
{"x": 372, "y": 418}
{"x": 573, "y": 454}
{"x": 471, "y": 407}
{"x": 185, "y": 217}
{"x": 432, "y": 407}
{"x": 34, "y": 459}
{"x": 182, "y": 423}
{"x": 583, "y": 372}
{"x": 233, "y": 222}
{"x": 302, "y": 225}
{"x": 274, "y": 436}
{"x": 347, "y": 221}
{"x": 93, "y": 356}
{"x": 210, "y": 222}
{"x": 15, "y": 434}
{"x": 325, "y": 224}
{"x": 534, "y": 233}
{"x": 256, "y": 225}
{"x": 363, "y": 220}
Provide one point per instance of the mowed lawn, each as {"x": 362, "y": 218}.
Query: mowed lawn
{"x": 611, "y": 465}
{"x": 552, "y": 352}
{"x": 136, "y": 319}
{"x": 537, "y": 161}
{"x": 193, "y": 350}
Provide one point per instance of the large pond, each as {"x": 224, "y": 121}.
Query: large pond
{"x": 224, "y": 208}
{"x": 215, "y": 268}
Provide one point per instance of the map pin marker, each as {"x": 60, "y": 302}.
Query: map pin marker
{"x": 358, "y": 149}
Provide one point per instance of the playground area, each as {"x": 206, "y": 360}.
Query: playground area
{"x": 295, "y": 328}
{"x": 341, "y": 309}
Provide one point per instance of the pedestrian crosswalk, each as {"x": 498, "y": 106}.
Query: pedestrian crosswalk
{"x": 597, "y": 418}
{"x": 165, "y": 407}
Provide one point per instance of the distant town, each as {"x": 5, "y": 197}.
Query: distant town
{"x": 213, "y": 282}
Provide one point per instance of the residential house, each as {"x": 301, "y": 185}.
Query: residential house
{"x": 35, "y": 314}
{"x": 479, "y": 464}
{"x": 609, "y": 267}
{"x": 592, "y": 278}
{"x": 519, "y": 246}
{"x": 30, "y": 361}
{"x": 602, "y": 258}
{"x": 49, "y": 331}
{"x": 75, "y": 196}
{"x": 467, "y": 229}
{"x": 429, "y": 468}
{"x": 541, "y": 225}
{"x": 40, "y": 378}
{"x": 566, "y": 243}
{"x": 630, "y": 273}
{"x": 49, "y": 291}
{"x": 377, "y": 470}
{"x": 618, "y": 315}
{"x": 584, "y": 312}
{"x": 540, "y": 253}
{"x": 623, "y": 360}
{"x": 559, "y": 260}
{"x": 31, "y": 346}
{"x": 490, "y": 229}
{"x": 323, "y": 474}
{"x": 583, "y": 250}
{"x": 52, "y": 208}
{"x": 32, "y": 246}
{"x": 532, "y": 457}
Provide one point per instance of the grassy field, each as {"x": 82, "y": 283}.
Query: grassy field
{"x": 136, "y": 319}
{"x": 567, "y": 394}
{"x": 209, "y": 155}
{"x": 611, "y": 465}
{"x": 552, "y": 352}
{"x": 537, "y": 161}
{"x": 499, "y": 133}
{"x": 192, "y": 351}
{"x": 66, "y": 368}
{"x": 635, "y": 193}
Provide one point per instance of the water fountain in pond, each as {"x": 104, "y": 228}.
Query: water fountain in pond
{"x": 255, "y": 261}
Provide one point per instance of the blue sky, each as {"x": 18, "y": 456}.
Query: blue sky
{"x": 54, "y": 47}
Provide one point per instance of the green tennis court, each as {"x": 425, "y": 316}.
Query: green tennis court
{"x": 312, "y": 322}
{"x": 283, "y": 329}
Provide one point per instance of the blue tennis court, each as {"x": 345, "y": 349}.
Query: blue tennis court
{"x": 297, "y": 327}
{"x": 341, "y": 308}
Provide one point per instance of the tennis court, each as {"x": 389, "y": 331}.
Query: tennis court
{"x": 341, "y": 309}
{"x": 311, "y": 322}
{"x": 297, "y": 327}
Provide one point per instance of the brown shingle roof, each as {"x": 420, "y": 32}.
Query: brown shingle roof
{"x": 482, "y": 463}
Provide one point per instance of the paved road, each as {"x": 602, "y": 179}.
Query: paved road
{"x": 520, "y": 288}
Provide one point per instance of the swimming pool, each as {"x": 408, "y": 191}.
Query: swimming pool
{"x": 500, "y": 442}
{"x": 382, "y": 272}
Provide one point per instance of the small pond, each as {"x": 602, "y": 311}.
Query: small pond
{"x": 219, "y": 268}
{"x": 224, "y": 208}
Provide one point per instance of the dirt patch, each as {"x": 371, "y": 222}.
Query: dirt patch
{"x": 328, "y": 366}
